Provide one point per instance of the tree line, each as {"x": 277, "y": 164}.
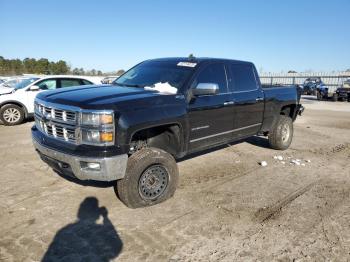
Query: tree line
{"x": 44, "y": 66}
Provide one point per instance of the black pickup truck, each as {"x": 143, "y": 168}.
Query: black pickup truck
{"x": 161, "y": 110}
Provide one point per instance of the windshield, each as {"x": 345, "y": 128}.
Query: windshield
{"x": 25, "y": 82}
{"x": 10, "y": 83}
{"x": 170, "y": 74}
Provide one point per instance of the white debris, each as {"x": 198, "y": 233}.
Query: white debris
{"x": 303, "y": 164}
{"x": 283, "y": 162}
{"x": 308, "y": 161}
{"x": 162, "y": 88}
{"x": 280, "y": 158}
{"x": 263, "y": 163}
{"x": 295, "y": 162}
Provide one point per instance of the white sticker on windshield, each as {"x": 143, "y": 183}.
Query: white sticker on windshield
{"x": 188, "y": 64}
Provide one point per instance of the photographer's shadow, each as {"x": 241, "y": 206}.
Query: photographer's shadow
{"x": 85, "y": 240}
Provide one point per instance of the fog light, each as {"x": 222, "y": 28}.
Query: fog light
{"x": 90, "y": 165}
{"x": 94, "y": 166}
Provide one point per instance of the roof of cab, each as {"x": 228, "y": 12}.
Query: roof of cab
{"x": 199, "y": 60}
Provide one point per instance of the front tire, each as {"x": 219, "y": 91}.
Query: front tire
{"x": 151, "y": 178}
{"x": 281, "y": 135}
{"x": 11, "y": 115}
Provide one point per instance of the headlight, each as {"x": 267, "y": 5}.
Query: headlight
{"x": 97, "y": 137}
{"x": 97, "y": 119}
{"x": 97, "y": 128}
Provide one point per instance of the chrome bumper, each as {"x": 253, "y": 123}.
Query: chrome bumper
{"x": 111, "y": 168}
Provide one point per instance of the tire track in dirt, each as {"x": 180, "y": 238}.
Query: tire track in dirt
{"x": 266, "y": 213}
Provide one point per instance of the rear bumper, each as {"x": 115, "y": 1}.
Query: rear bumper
{"x": 111, "y": 168}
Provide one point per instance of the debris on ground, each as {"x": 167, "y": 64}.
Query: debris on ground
{"x": 293, "y": 161}
{"x": 263, "y": 163}
{"x": 280, "y": 158}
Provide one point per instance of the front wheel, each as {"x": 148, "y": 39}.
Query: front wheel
{"x": 281, "y": 135}
{"x": 151, "y": 177}
{"x": 11, "y": 115}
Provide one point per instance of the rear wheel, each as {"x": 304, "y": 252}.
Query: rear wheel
{"x": 151, "y": 178}
{"x": 11, "y": 115}
{"x": 281, "y": 135}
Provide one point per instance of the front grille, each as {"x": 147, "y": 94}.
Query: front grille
{"x": 57, "y": 123}
{"x": 61, "y": 115}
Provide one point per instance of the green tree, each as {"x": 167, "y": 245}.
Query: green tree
{"x": 191, "y": 56}
{"x": 75, "y": 71}
{"x": 120, "y": 72}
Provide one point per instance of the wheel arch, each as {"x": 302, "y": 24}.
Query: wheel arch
{"x": 166, "y": 136}
{"x": 17, "y": 103}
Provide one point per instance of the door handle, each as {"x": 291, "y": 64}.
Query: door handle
{"x": 229, "y": 103}
{"x": 259, "y": 99}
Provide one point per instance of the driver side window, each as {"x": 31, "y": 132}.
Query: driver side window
{"x": 215, "y": 74}
{"x": 48, "y": 84}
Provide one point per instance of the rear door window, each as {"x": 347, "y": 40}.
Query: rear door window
{"x": 242, "y": 78}
{"x": 70, "y": 82}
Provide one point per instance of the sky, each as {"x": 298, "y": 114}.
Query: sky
{"x": 110, "y": 35}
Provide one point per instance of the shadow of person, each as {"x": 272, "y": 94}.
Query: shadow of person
{"x": 86, "y": 240}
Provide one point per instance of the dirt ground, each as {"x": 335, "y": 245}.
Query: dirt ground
{"x": 227, "y": 207}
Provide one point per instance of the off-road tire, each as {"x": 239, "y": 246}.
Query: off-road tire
{"x": 18, "y": 116}
{"x": 277, "y": 137}
{"x": 128, "y": 188}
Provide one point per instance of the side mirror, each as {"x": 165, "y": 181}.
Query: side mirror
{"x": 206, "y": 89}
{"x": 34, "y": 88}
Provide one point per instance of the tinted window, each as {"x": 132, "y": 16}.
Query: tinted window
{"x": 212, "y": 74}
{"x": 70, "y": 82}
{"x": 48, "y": 84}
{"x": 242, "y": 78}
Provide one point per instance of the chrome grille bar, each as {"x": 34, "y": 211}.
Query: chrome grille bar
{"x": 57, "y": 122}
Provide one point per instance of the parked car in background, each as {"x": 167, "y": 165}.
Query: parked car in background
{"x": 325, "y": 92}
{"x": 19, "y": 103}
{"x": 109, "y": 79}
{"x": 10, "y": 85}
{"x": 310, "y": 85}
{"x": 343, "y": 92}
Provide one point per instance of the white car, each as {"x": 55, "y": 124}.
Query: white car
{"x": 17, "y": 103}
{"x": 8, "y": 86}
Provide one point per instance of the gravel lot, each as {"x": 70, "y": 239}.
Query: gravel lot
{"x": 227, "y": 207}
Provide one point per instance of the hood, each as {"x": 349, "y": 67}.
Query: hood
{"x": 6, "y": 90}
{"x": 98, "y": 97}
